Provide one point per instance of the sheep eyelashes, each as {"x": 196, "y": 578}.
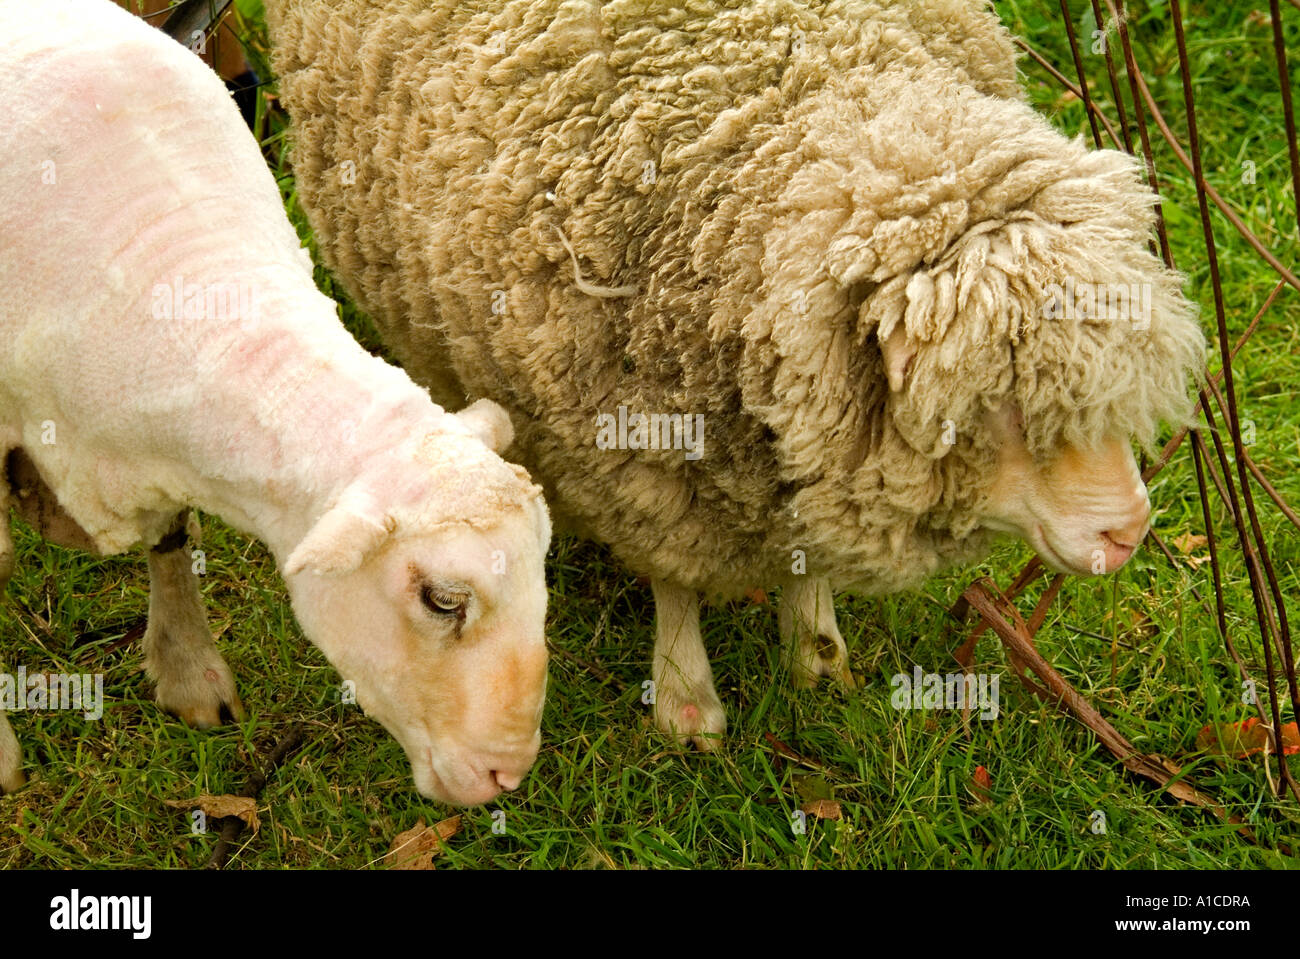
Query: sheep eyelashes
{"x": 128, "y": 177}
{"x": 832, "y": 231}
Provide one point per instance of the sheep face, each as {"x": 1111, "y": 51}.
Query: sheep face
{"x": 1084, "y": 512}
{"x": 433, "y": 607}
{"x": 442, "y": 639}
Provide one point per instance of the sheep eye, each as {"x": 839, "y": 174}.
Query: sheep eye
{"x": 443, "y": 603}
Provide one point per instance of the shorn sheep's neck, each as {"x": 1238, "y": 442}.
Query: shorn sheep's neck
{"x": 319, "y": 414}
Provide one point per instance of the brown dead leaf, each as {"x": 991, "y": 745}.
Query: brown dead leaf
{"x": 218, "y": 807}
{"x": 822, "y": 809}
{"x": 981, "y": 784}
{"x": 415, "y": 848}
{"x": 1239, "y": 740}
{"x": 1188, "y": 542}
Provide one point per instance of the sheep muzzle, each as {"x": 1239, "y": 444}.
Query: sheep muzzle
{"x": 1085, "y": 512}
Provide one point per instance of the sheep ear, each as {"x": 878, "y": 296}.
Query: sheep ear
{"x": 340, "y": 540}
{"x": 899, "y": 350}
{"x": 490, "y": 423}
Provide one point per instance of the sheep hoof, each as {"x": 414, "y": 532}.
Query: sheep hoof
{"x": 697, "y": 720}
{"x": 202, "y": 698}
{"x": 806, "y": 677}
{"x": 825, "y": 656}
{"x": 11, "y": 780}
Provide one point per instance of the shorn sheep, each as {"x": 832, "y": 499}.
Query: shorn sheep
{"x": 775, "y": 293}
{"x": 148, "y": 364}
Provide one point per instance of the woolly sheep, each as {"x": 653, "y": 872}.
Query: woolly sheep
{"x": 162, "y": 347}
{"x": 775, "y": 293}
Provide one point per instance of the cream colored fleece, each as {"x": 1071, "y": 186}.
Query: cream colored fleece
{"x": 755, "y": 196}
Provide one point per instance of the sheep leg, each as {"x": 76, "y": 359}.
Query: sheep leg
{"x": 192, "y": 681}
{"x": 11, "y": 759}
{"x": 6, "y": 532}
{"x": 686, "y": 705}
{"x": 36, "y": 503}
{"x": 813, "y": 644}
{"x": 6, "y": 544}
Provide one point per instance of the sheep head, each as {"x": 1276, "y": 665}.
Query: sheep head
{"x": 1053, "y": 337}
{"x": 424, "y": 586}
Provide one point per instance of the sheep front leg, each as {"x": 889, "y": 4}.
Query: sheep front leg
{"x": 686, "y": 704}
{"x": 11, "y": 759}
{"x": 193, "y": 682}
{"x": 6, "y": 537}
{"x": 813, "y": 644}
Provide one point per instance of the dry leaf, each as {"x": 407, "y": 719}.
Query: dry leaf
{"x": 981, "y": 784}
{"x": 218, "y": 807}
{"x": 415, "y": 848}
{"x": 1239, "y": 740}
{"x": 822, "y": 809}
{"x": 1188, "y": 542}
{"x": 757, "y": 595}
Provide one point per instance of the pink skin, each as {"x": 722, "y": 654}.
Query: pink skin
{"x": 1085, "y": 513}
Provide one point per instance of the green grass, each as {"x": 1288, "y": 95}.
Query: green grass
{"x": 608, "y": 790}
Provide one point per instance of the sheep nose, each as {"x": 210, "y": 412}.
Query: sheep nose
{"x": 1119, "y": 542}
{"x": 1116, "y": 553}
{"x": 1131, "y": 533}
{"x": 506, "y": 780}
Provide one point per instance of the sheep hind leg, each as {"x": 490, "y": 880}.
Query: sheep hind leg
{"x": 686, "y": 705}
{"x": 11, "y": 759}
{"x": 6, "y": 532}
{"x": 813, "y": 646}
{"x": 191, "y": 679}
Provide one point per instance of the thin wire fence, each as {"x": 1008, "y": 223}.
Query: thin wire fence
{"x": 1217, "y": 443}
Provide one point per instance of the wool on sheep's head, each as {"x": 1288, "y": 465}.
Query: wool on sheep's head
{"x": 971, "y": 258}
{"x": 1061, "y": 308}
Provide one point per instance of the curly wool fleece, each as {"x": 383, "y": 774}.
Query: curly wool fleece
{"x": 724, "y": 209}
